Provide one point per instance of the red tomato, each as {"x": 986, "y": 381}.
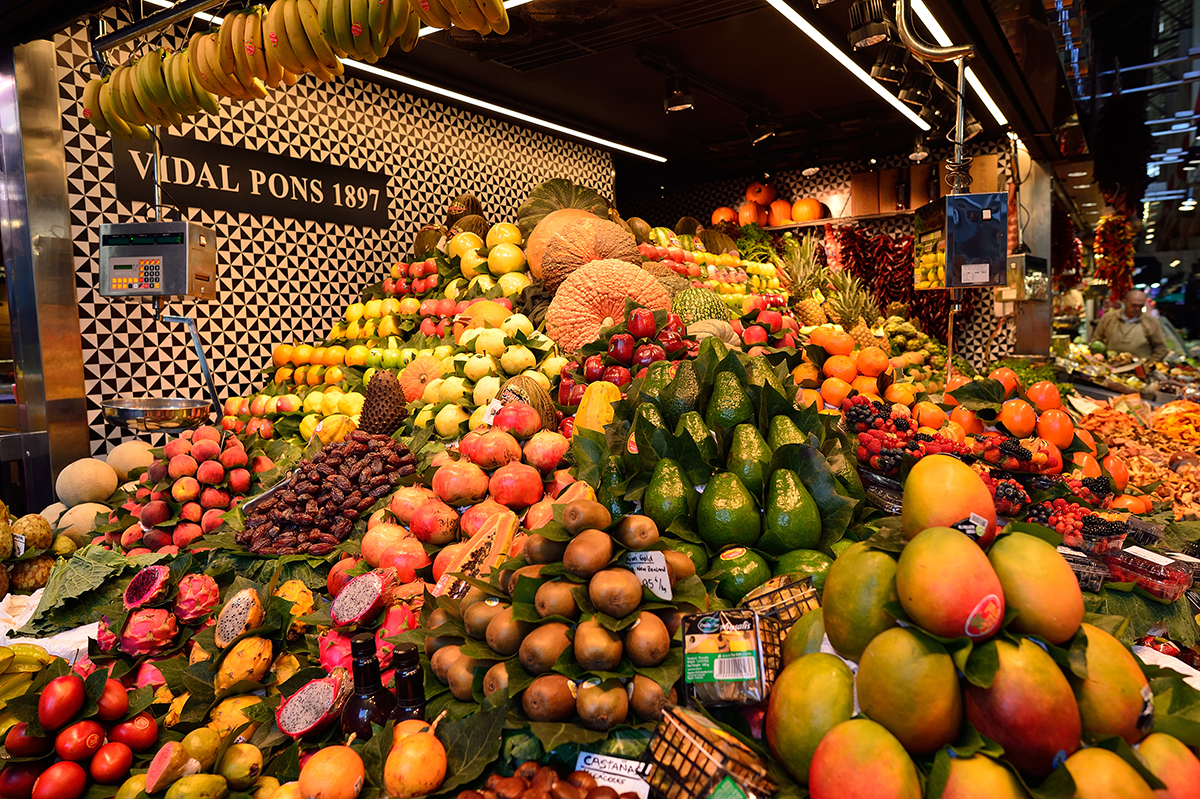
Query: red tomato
{"x": 79, "y": 741}
{"x": 17, "y": 779}
{"x": 19, "y": 743}
{"x": 61, "y": 699}
{"x": 114, "y": 702}
{"x": 111, "y": 764}
{"x": 139, "y": 733}
{"x": 64, "y": 780}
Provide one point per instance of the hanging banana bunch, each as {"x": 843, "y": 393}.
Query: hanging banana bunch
{"x": 481, "y": 16}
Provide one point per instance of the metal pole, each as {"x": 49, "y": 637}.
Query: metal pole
{"x": 191, "y": 326}
{"x": 158, "y": 157}
{"x": 161, "y": 19}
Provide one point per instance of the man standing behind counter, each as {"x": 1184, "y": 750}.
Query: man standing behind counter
{"x": 1129, "y": 329}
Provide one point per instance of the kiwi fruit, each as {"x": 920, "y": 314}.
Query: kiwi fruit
{"x": 680, "y": 564}
{"x": 647, "y": 698}
{"x": 550, "y": 697}
{"x": 542, "y": 647}
{"x": 597, "y": 648}
{"x": 496, "y": 679}
{"x": 583, "y": 514}
{"x": 443, "y": 659}
{"x": 602, "y": 704}
{"x": 504, "y": 633}
{"x": 616, "y": 592}
{"x": 435, "y": 642}
{"x": 480, "y": 615}
{"x": 461, "y": 677}
{"x": 539, "y": 549}
{"x": 556, "y": 598}
{"x": 474, "y": 594}
{"x": 508, "y": 580}
{"x": 647, "y": 641}
{"x": 636, "y": 532}
{"x": 588, "y": 553}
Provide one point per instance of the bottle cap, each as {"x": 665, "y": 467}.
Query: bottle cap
{"x": 405, "y": 655}
{"x": 362, "y": 646}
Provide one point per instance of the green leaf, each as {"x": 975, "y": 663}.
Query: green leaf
{"x": 1143, "y": 615}
{"x": 552, "y": 736}
{"x": 981, "y": 395}
{"x": 471, "y": 746}
{"x": 589, "y": 450}
{"x": 667, "y": 673}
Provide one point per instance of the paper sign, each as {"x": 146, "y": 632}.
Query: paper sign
{"x": 1148, "y": 555}
{"x": 975, "y": 273}
{"x": 492, "y": 410}
{"x": 651, "y": 569}
{"x": 618, "y": 773}
{"x": 18, "y": 545}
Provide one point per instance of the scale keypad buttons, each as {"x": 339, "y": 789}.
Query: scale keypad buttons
{"x": 148, "y": 276}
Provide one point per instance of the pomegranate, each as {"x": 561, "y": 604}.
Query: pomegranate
{"x": 378, "y": 539}
{"x": 435, "y": 523}
{"x": 466, "y": 446}
{"x": 518, "y": 418}
{"x": 471, "y": 522}
{"x": 406, "y": 501}
{"x": 406, "y": 557}
{"x": 545, "y": 450}
{"x": 494, "y": 449}
{"x": 558, "y": 481}
{"x": 337, "y": 575}
{"x": 517, "y": 486}
{"x": 460, "y": 483}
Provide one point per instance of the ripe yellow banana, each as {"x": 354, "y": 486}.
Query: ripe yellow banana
{"x": 360, "y": 29}
{"x": 116, "y": 96}
{"x": 493, "y": 11}
{"x": 255, "y": 55}
{"x": 229, "y": 85}
{"x": 471, "y": 16}
{"x": 184, "y": 85}
{"x": 224, "y": 51}
{"x": 451, "y": 13}
{"x": 502, "y": 26}
{"x": 180, "y": 101}
{"x": 290, "y": 78}
{"x": 116, "y": 125}
{"x": 139, "y": 83}
{"x": 241, "y": 68}
{"x": 408, "y": 37}
{"x": 276, "y": 34}
{"x": 151, "y": 66}
{"x": 140, "y": 132}
{"x": 129, "y": 101}
{"x": 93, "y": 114}
{"x": 379, "y": 44}
{"x": 204, "y": 97}
{"x": 325, "y": 17}
{"x": 431, "y": 13}
{"x": 339, "y": 16}
{"x": 308, "y": 18}
{"x": 274, "y": 68}
{"x": 199, "y": 67}
{"x": 298, "y": 38}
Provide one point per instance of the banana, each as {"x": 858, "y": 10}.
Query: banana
{"x": 199, "y": 68}
{"x": 204, "y": 97}
{"x": 93, "y": 114}
{"x": 140, "y": 132}
{"x": 275, "y": 36}
{"x": 299, "y": 39}
{"x": 408, "y": 38}
{"x": 228, "y": 83}
{"x": 138, "y": 81}
{"x": 322, "y": 74}
{"x": 116, "y": 125}
{"x": 339, "y": 17}
{"x": 290, "y": 78}
{"x": 179, "y": 102}
{"x": 274, "y": 68}
{"x": 471, "y": 15}
{"x": 128, "y": 83}
{"x": 151, "y": 67}
{"x": 379, "y": 43}
{"x": 377, "y": 17}
{"x": 397, "y": 18}
{"x": 182, "y": 75}
{"x": 224, "y": 52}
{"x": 256, "y": 57}
{"x": 117, "y": 95}
{"x": 493, "y": 11}
{"x": 431, "y": 13}
{"x": 451, "y": 13}
{"x": 241, "y": 69}
{"x": 308, "y": 18}
{"x": 360, "y": 28}
{"x": 502, "y": 26}
{"x": 325, "y": 17}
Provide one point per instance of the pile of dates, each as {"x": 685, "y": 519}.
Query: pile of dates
{"x": 534, "y": 781}
{"x": 317, "y": 510}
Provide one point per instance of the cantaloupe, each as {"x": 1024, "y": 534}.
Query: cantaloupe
{"x": 85, "y": 480}
{"x": 79, "y": 523}
{"x": 126, "y": 457}
{"x": 535, "y": 247}
{"x": 52, "y": 513}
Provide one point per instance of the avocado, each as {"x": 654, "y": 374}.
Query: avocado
{"x": 611, "y": 476}
{"x": 791, "y": 519}
{"x": 658, "y": 376}
{"x": 681, "y": 395}
{"x": 728, "y": 406}
{"x": 693, "y": 424}
{"x": 783, "y": 430}
{"x": 669, "y": 494}
{"x": 727, "y": 513}
{"x": 749, "y": 458}
{"x": 759, "y": 373}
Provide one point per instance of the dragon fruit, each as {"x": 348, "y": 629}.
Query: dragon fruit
{"x": 335, "y": 650}
{"x": 148, "y": 674}
{"x": 83, "y": 667}
{"x": 317, "y": 704}
{"x": 106, "y": 639}
{"x": 198, "y": 595}
{"x": 249, "y": 660}
{"x": 364, "y": 597}
{"x": 398, "y": 619}
{"x": 148, "y": 632}
{"x": 296, "y": 592}
{"x": 147, "y": 586}
{"x": 241, "y": 614}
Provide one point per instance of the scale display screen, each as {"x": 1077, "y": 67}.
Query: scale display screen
{"x": 137, "y": 240}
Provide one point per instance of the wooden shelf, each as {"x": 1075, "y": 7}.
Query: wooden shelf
{"x": 842, "y": 219}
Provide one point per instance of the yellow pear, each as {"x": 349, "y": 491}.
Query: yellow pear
{"x": 448, "y": 420}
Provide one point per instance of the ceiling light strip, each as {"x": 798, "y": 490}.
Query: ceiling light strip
{"x": 854, "y": 69}
{"x": 926, "y": 16}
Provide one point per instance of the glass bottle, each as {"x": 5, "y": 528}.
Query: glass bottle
{"x": 902, "y": 197}
{"x": 370, "y": 703}
{"x": 410, "y": 685}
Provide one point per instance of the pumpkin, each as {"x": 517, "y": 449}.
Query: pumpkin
{"x": 581, "y": 242}
{"x": 418, "y": 375}
{"x": 715, "y": 328}
{"x": 640, "y": 229}
{"x": 807, "y": 209}
{"x": 555, "y": 195}
{"x": 751, "y": 213}
{"x": 724, "y": 214}
{"x": 779, "y": 213}
{"x": 596, "y": 408}
{"x": 535, "y": 244}
{"x": 758, "y": 193}
{"x": 593, "y": 297}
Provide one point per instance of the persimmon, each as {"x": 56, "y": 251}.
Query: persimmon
{"x": 868, "y": 386}
{"x": 872, "y": 361}
{"x": 1044, "y": 395}
{"x": 1127, "y": 502}
{"x": 1085, "y": 464}
{"x": 957, "y": 381}
{"x": 1087, "y": 440}
{"x": 953, "y": 430}
{"x": 841, "y": 366}
{"x": 902, "y": 393}
{"x": 929, "y": 415}
{"x": 967, "y": 420}
{"x": 1018, "y": 417}
{"x": 1056, "y": 427}
{"x": 1117, "y": 470}
{"x": 1008, "y": 377}
{"x": 810, "y": 396}
{"x": 806, "y": 375}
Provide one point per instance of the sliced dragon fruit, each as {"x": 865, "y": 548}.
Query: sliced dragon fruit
{"x": 241, "y": 614}
{"x": 198, "y": 595}
{"x": 316, "y": 705}
{"x": 335, "y": 650}
{"x": 364, "y": 597}
{"x": 147, "y": 586}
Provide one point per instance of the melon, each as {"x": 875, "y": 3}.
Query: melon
{"x": 540, "y": 238}
{"x": 52, "y": 513}
{"x": 859, "y": 758}
{"x": 130, "y": 455}
{"x": 80, "y": 521}
{"x": 981, "y": 777}
{"x": 947, "y": 586}
{"x": 810, "y": 697}
{"x": 1101, "y": 774}
{"x": 859, "y": 583}
{"x": 941, "y": 491}
{"x": 1115, "y": 698}
{"x": 85, "y": 480}
{"x": 1039, "y": 583}
{"x": 1173, "y": 763}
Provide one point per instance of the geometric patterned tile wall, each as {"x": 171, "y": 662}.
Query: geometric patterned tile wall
{"x": 284, "y": 279}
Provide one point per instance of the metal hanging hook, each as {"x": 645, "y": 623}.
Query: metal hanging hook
{"x": 924, "y": 50}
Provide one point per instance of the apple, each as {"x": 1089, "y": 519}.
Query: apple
{"x": 772, "y": 319}
{"x": 428, "y": 327}
{"x": 641, "y": 323}
{"x": 617, "y": 375}
{"x": 576, "y": 395}
{"x": 647, "y": 354}
{"x": 565, "y": 386}
{"x": 755, "y": 334}
{"x": 593, "y": 368}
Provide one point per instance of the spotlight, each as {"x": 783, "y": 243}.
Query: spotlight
{"x": 971, "y": 126}
{"x": 760, "y": 127}
{"x": 916, "y": 87}
{"x": 678, "y": 97}
{"x": 889, "y": 66}
{"x": 869, "y": 24}
{"x": 920, "y": 151}
{"x": 939, "y": 113}
{"x": 819, "y": 3}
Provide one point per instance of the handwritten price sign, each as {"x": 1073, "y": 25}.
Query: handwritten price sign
{"x": 651, "y": 570}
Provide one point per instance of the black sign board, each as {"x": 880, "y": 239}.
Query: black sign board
{"x": 196, "y": 174}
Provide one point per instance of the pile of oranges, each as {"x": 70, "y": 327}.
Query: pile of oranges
{"x": 303, "y": 364}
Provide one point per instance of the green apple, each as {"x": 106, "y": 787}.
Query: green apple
{"x": 432, "y": 390}
{"x": 392, "y": 359}
{"x": 516, "y": 359}
{"x": 367, "y": 375}
{"x": 552, "y": 366}
{"x": 517, "y": 321}
{"x": 486, "y": 390}
{"x": 490, "y": 341}
{"x": 448, "y": 421}
{"x": 479, "y": 366}
{"x": 538, "y": 377}
{"x": 374, "y": 358}
{"x": 407, "y": 356}
{"x": 452, "y": 389}
{"x": 442, "y": 350}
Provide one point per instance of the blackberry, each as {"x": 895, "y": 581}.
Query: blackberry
{"x": 1099, "y": 486}
{"x": 925, "y": 437}
{"x": 901, "y": 423}
{"x": 1011, "y": 446}
{"x": 1098, "y": 527}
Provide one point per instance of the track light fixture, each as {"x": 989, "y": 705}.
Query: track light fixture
{"x": 810, "y": 171}
{"x": 818, "y": 4}
{"x": 971, "y": 126}
{"x": 869, "y": 24}
{"x": 890, "y": 65}
{"x": 920, "y": 151}
{"x": 760, "y": 127}
{"x": 916, "y": 87}
{"x": 940, "y": 112}
{"x": 678, "y": 98}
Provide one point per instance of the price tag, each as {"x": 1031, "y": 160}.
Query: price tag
{"x": 618, "y": 773}
{"x": 18, "y": 545}
{"x": 1146, "y": 554}
{"x": 492, "y": 410}
{"x": 975, "y": 273}
{"x": 651, "y": 569}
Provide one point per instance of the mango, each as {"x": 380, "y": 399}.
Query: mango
{"x": 1101, "y": 774}
{"x": 859, "y": 758}
{"x": 198, "y": 786}
{"x": 941, "y": 491}
{"x": 1038, "y": 582}
{"x": 1028, "y": 709}
{"x": 805, "y": 637}
{"x": 860, "y": 582}
{"x": 810, "y": 697}
{"x": 981, "y": 777}
{"x": 947, "y": 586}
{"x": 1115, "y": 698}
{"x": 1173, "y": 763}
{"x": 908, "y": 683}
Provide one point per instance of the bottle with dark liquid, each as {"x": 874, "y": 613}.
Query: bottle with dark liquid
{"x": 410, "y": 683}
{"x": 370, "y": 703}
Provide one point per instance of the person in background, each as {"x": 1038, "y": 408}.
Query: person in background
{"x": 1129, "y": 329}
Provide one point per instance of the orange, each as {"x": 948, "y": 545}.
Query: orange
{"x": 1044, "y": 395}
{"x": 839, "y": 343}
{"x": 1129, "y": 503}
{"x": 955, "y": 382}
{"x": 1056, "y": 427}
{"x": 335, "y": 355}
{"x": 333, "y": 375}
{"x": 953, "y": 430}
{"x": 810, "y": 396}
{"x": 1117, "y": 470}
{"x": 1148, "y": 503}
{"x": 1018, "y": 418}
{"x": 282, "y": 375}
{"x": 357, "y": 355}
{"x": 1087, "y": 440}
{"x": 840, "y": 366}
{"x": 865, "y": 385}
{"x": 835, "y": 390}
{"x": 806, "y": 375}
{"x": 315, "y": 373}
{"x": 282, "y": 355}
{"x": 1006, "y": 376}
{"x": 302, "y": 354}
{"x": 872, "y": 361}
{"x": 967, "y": 420}
{"x": 1086, "y": 464}
{"x": 298, "y": 376}
{"x": 929, "y": 415}
{"x": 903, "y": 393}
{"x": 820, "y": 335}
{"x": 318, "y": 355}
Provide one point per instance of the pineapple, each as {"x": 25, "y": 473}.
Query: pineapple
{"x": 850, "y": 305}
{"x": 805, "y": 273}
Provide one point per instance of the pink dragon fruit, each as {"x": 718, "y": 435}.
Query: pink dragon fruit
{"x": 83, "y": 667}
{"x": 106, "y": 639}
{"x": 148, "y": 674}
{"x": 364, "y": 597}
{"x": 335, "y": 650}
{"x": 147, "y": 586}
{"x": 148, "y": 632}
{"x": 315, "y": 705}
{"x": 198, "y": 596}
{"x": 398, "y": 619}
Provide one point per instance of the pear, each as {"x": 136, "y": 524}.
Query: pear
{"x": 516, "y": 359}
{"x": 479, "y": 366}
{"x": 452, "y": 389}
{"x": 448, "y": 420}
{"x": 490, "y": 341}
{"x": 517, "y": 321}
{"x": 486, "y": 390}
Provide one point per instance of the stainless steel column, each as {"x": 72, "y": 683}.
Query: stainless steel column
{"x": 35, "y": 236}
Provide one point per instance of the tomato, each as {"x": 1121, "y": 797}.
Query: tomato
{"x": 61, "y": 699}
{"x": 114, "y": 702}
{"x": 19, "y": 743}
{"x": 111, "y": 764}
{"x": 65, "y": 780}
{"x": 17, "y": 779}
{"x": 79, "y": 741}
{"x": 139, "y": 733}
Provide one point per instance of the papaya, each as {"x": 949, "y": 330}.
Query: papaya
{"x": 947, "y": 586}
{"x": 1039, "y": 583}
{"x": 860, "y": 582}
{"x": 486, "y": 549}
{"x": 1101, "y": 774}
{"x": 980, "y": 777}
{"x": 1115, "y": 699}
{"x": 810, "y": 697}
{"x": 859, "y": 758}
{"x": 1173, "y": 763}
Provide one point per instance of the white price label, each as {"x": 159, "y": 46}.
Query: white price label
{"x": 975, "y": 273}
{"x": 1148, "y": 555}
{"x": 18, "y": 545}
{"x": 618, "y": 773}
{"x": 651, "y": 570}
{"x": 492, "y": 410}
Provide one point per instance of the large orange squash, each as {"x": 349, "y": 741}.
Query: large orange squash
{"x": 751, "y": 213}
{"x": 724, "y": 214}
{"x": 807, "y": 209}
{"x": 779, "y": 213}
{"x": 758, "y": 193}
{"x": 545, "y": 230}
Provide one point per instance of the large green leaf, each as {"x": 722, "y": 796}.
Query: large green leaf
{"x": 1143, "y": 614}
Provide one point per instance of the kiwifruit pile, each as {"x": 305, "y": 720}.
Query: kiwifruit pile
{"x": 534, "y": 781}
{"x": 563, "y": 638}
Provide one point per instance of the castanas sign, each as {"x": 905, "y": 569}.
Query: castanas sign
{"x": 196, "y": 174}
